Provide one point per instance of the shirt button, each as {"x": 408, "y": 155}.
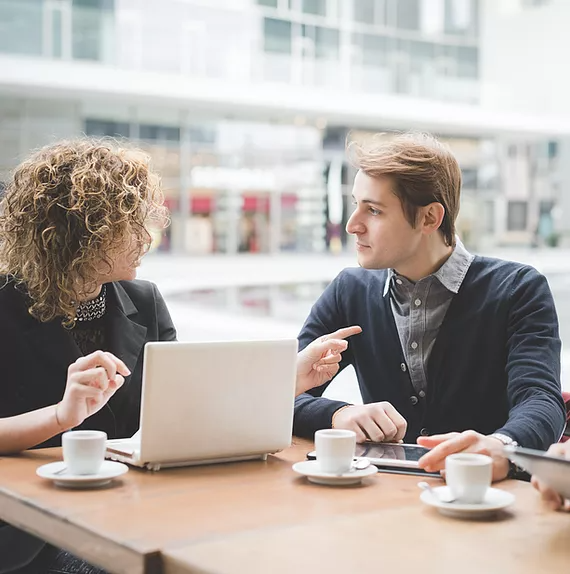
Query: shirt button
{"x": 417, "y": 302}
{"x": 414, "y": 345}
{"x": 403, "y": 367}
{"x": 422, "y": 394}
{"x": 424, "y": 432}
{"x": 414, "y": 400}
{"x": 399, "y": 281}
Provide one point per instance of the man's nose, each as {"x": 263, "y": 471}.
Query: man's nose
{"x": 354, "y": 225}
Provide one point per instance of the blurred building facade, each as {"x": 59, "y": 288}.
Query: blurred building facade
{"x": 245, "y": 107}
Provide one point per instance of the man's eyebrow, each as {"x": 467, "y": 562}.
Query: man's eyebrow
{"x": 371, "y": 201}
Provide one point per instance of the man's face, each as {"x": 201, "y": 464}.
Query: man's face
{"x": 384, "y": 237}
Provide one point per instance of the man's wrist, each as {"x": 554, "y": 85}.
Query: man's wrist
{"x": 506, "y": 440}
{"x": 513, "y": 471}
{"x": 337, "y": 412}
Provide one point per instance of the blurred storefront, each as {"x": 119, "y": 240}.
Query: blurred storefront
{"x": 233, "y": 187}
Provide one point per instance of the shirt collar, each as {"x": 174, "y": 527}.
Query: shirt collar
{"x": 450, "y": 274}
{"x": 453, "y": 271}
{"x": 388, "y": 282}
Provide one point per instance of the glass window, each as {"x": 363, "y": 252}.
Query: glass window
{"x": 391, "y": 12}
{"x": 277, "y": 36}
{"x": 316, "y": 7}
{"x": 422, "y": 55}
{"x": 202, "y": 134}
{"x": 488, "y": 216}
{"x": 446, "y": 59}
{"x": 552, "y": 149}
{"x": 380, "y": 47}
{"x": 364, "y": 11}
{"x": 334, "y": 138}
{"x": 104, "y": 128}
{"x": 372, "y": 12}
{"x": 460, "y": 17}
{"x": 469, "y": 178}
{"x": 57, "y": 31}
{"x": 408, "y": 14}
{"x": 160, "y": 133}
{"x": 326, "y": 41}
{"x": 545, "y": 206}
{"x": 21, "y": 27}
{"x": 467, "y": 62}
{"x": 90, "y": 18}
{"x": 517, "y": 216}
{"x": 373, "y": 47}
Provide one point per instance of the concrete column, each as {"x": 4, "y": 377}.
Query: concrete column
{"x": 275, "y": 221}
{"x": 233, "y": 208}
{"x": 181, "y": 221}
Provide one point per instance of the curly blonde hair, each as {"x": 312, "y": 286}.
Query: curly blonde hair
{"x": 66, "y": 209}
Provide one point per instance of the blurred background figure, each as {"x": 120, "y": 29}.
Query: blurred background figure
{"x": 245, "y": 107}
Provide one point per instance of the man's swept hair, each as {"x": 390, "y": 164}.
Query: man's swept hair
{"x": 65, "y": 210}
{"x": 422, "y": 171}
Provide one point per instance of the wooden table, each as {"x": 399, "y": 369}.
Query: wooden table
{"x": 241, "y": 517}
{"x": 412, "y": 538}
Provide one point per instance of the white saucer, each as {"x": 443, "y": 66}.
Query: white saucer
{"x": 109, "y": 470}
{"x": 311, "y": 469}
{"x": 495, "y": 500}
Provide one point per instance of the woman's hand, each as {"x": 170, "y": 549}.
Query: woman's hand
{"x": 319, "y": 361}
{"x": 91, "y": 381}
{"x": 550, "y": 496}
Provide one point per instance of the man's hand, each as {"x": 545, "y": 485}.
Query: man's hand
{"x": 318, "y": 362}
{"x": 377, "y": 422}
{"x": 468, "y": 441}
{"x": 551, "y": 497}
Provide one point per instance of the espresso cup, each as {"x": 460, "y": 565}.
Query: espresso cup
{"x": 468, "y": 476}
{"x": 84, "y": 451}
{"x": 335, "y": 450}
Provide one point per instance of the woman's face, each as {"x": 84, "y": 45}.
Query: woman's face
{"x": 124, "y": 259}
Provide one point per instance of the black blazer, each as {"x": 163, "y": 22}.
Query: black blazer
{"x": 35, "y": 357}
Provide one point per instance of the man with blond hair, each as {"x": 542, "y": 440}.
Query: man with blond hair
{"x": 458, "y": 352}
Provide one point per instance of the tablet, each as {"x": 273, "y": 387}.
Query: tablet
{"x": 392, "y": 455}
{"x": 553, "y": 471}
{"x": 396, "y": 457}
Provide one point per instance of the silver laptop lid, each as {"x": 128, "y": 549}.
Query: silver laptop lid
{"x": 216, "y": 399}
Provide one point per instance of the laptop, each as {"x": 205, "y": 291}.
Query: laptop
{"x": 210, "y": 402}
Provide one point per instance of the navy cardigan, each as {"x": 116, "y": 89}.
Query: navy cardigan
{"x": 495, "y": 365}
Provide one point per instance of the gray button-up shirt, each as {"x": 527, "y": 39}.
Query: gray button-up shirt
{"x": 419, "y": 309}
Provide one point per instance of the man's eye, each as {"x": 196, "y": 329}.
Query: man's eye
{"x": 374, "y": 211}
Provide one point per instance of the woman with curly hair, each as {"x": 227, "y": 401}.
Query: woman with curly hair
{"x": 73, "y": 227}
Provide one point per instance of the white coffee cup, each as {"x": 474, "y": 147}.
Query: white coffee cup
{"x": 84, "y": 451}
{"x": 468, "y": 476}
{"x": 335, "y": 450}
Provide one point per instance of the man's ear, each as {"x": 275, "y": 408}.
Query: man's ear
{"x": 432, "y": 217}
